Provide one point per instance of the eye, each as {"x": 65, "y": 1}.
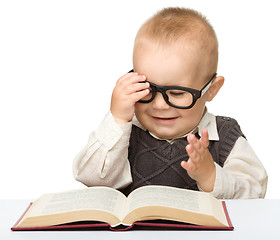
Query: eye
{"x": 175, "y": 93}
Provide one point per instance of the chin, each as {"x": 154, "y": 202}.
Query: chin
{"x": 165, "y": 136}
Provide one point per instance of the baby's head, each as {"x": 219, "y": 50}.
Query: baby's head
{"x": 176, "y": 47}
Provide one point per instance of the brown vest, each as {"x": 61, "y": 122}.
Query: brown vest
{"x": 157, "y": 162}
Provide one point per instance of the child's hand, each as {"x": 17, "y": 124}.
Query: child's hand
{"x": 200, "y": 165}
{"x": 129, "y": 89}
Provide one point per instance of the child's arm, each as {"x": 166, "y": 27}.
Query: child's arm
{"x": 104, "y": 160}
{"x": 243, "y": 175}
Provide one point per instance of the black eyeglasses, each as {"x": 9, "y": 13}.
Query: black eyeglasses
{"x": 177, "y": 96}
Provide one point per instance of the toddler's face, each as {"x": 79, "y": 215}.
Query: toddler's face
{"x": 168, "y": 67}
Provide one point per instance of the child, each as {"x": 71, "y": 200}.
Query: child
{"x": 158, "y": 130}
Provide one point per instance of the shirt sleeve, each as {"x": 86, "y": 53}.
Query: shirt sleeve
{"x": 243, "y": 175}
{"x": 103, "y": 161}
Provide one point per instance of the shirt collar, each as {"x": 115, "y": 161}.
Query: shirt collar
{"x": 208, "y": 121}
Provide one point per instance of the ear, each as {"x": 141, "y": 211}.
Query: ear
{"x": 215, "y": 87}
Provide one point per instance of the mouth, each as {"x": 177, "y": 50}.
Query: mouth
{"x": 165, "y": 120}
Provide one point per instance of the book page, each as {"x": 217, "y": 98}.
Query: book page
{"x": 170, "y": 197}
{"x": 101, "y": 198}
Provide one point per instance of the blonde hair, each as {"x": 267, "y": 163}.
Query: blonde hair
{"x": 174, "y": 24}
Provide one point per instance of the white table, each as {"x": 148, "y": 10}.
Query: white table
{"x": 252, "y": 219}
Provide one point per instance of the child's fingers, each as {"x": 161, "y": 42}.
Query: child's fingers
{"x": 184, "y": 165}
{"x": 188, "y": 166}
{"x": 138, "y": 95}
{"x": 136, "y": 78}
{"x": 194, "y": 142}
{"x": 131, "y": 78}
{"x": 125, "y": 77}
{"x": 136, "y": 87}
{"x": 192, "y": 139}
{"x": 192, "y": 152}
{"x": 204, "y": 140}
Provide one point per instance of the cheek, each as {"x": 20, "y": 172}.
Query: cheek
{"x": 140, "y": 110}
{"x": 194, "y": 115}
{"x": 199, "y": 106}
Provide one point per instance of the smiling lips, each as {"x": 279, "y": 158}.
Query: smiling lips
{"x": 165, "y": 120}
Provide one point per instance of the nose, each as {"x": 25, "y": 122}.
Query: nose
{"x": 159, "y": 102}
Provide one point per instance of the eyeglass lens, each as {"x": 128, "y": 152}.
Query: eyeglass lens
{"x": 176, "y": 97}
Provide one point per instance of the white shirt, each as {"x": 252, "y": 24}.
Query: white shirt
{"x": 104, "y": 161}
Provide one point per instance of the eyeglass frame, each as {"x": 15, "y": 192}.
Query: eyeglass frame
{"x": 196, "y": 94}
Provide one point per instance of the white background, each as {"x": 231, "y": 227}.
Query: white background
{"x": 59, "y": 61}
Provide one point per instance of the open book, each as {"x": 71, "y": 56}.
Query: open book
{"x": 112, "y": 208}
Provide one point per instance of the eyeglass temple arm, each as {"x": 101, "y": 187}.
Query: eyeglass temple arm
{"x": 204, "y": 90}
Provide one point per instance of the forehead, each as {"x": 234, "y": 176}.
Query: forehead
{"x": 176, "y": 64}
